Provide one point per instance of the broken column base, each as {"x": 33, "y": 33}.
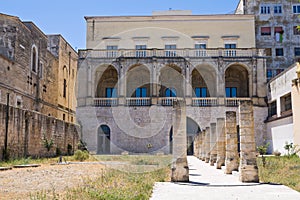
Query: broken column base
{"x": 249, "y": 174}
{"x": 220, "y": 163}
{"x": 180, "y": 171}
{"x": 213, "y": 159}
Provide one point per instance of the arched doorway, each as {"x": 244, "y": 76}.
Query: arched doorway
{"x": 103, "y": 140}
{"x": 236, "y": 81}
{"x": 192, "y": 130}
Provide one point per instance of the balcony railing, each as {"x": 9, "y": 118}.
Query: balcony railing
{"x": 105, "y": 102}
{"x": 167, "y": 101}
{"x": 190, "y": 53}
{"x": 144, "y": 101}
{"x": 204, "y": 102}
{"x": 234, "y": 101}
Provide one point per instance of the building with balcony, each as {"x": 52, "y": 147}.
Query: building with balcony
{"x": 135, "y": 67}
{"x": 276, "y": 31}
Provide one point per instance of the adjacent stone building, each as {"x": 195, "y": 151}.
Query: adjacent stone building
{"x": 135, "y": 67}
{"x": 283, "y": 122}
{"x": 276, "y": 31}
{"x": 37, "y": 80}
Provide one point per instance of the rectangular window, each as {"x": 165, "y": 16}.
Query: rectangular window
{"x": 201, "y": 92}
{"x": 278, "y": 32}
{"x": 272, "y": 109}
{"x": 200, "y": 50}
{"x": 279, "y": 52}
{"x": 231, "y": 92}
{"x": 296, "y": 30}
{"x": 111, "y": 93}
{"x": 296, "y": 9}
{"x": 111, "y": 51}
{"x": 286, "y": 103}
{"x": 230, "y": 53}
{"x": 265, "y": 30}
{"x": 141, "y": 92}
{"x": 140, "y": 50}
{"x": 297, "y": 51}
{"x": 170, "y": 50}
{"x": 264, "y": 9}
{"x": 277, "y": 9}
{"x": 64, "y": 117}
{"x": 65, "y": 88}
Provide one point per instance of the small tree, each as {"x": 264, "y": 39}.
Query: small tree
{"x": 48, "y": 144}
{"x": 262, "y": 150}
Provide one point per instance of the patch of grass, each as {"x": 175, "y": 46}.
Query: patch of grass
{"x": 114, "y": 184}
{"x": 282, "y": 170}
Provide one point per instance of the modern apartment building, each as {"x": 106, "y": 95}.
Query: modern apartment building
{"x": 276, "y": 31}
{"x": 135, "y": 67}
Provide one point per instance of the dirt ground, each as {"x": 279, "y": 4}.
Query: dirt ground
{"x": 20, "y": 183}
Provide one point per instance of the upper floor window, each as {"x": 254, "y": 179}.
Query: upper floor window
{"x": 297, "y": 51}
{"x": 277, "y": 9}
{"x": 112, "y": 50}
{"x": 265, "y": 9}
{"x": 65, "y": 88}
{"x": 279, "y": 52}
{"x": 140, "y": 50}
{"x": 296, "y": 9}
{"x": 286, "y": 103}
{"x": 230, "y": 53}
{"x": 170, "y": 50}
{"x": 34, "y": 59}
{"x": 272, "y": 108}
{"x": 200, "y": 46}
{"x": 296, "y": 30}
{"x": 265, "y": 30}
{"x": 278, "y": 32}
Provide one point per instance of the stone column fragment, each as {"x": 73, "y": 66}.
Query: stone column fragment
{"x": 213, "y": 143}
{"x": 207, "y": 145}
{"x": 180, "y": 170}
{"x": 221, "y": 149}
{"x": 248, "y": 165}
{"x": 232, "y": 157}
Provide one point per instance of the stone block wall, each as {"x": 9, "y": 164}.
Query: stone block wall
{"x": 27, "y": 130}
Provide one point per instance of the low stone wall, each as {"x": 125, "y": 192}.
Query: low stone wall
{"x": 27, "y": 131}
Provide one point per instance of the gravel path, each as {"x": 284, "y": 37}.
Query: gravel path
{"x": 19, "y": 183}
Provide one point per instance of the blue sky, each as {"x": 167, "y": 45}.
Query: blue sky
{"x": 66, "y": 17}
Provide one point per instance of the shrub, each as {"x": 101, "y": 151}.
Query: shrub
{"x": 262, "y": 150}
{"x": 292, "y": 149}
{"x": 81, "y": 155}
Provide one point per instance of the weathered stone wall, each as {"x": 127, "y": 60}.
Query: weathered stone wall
{"x": 27, "y": 129}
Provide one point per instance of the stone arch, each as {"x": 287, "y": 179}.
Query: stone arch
{"x": 192, "y": 129}
{"x": 103, "y": 139}
{"x": 107, "y": 82}
{"x": 237, "y": 81}
{"x": 171, "y": 78}
{"x": 138, "y": 81}
{"x": 204, "y": 76}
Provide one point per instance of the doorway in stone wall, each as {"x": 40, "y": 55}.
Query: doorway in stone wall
{"x": 103, "y": 140}
{"x": 192, "y": 129}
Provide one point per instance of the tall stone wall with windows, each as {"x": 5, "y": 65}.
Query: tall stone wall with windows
{"x": 27, "y": 131}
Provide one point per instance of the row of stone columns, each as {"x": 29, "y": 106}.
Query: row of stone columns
{"x": 219, "y": 143}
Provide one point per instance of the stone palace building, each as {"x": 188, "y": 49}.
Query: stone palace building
{"x": 135, "y": 67}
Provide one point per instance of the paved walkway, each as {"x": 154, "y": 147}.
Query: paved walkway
{"x": 206, "y": 182}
